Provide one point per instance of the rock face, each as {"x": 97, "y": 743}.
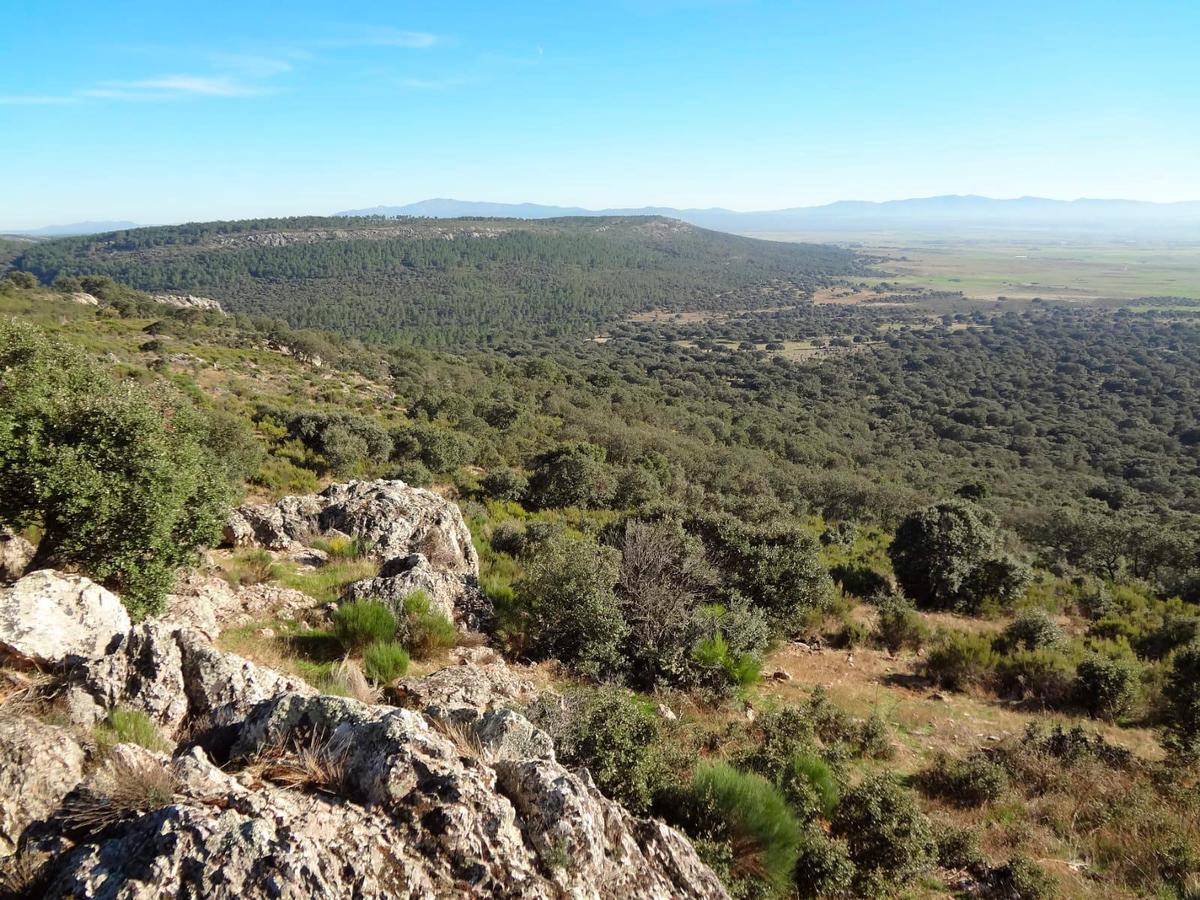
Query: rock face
{"x": 187, "y": 301}
{"x": 391, "y": 518}
{"x": 47, "y": 617}
{"x": 15, "y": 555}
{"x": 206, "y": 602}
{"x": 420, "y": 538}
{"x": 176, "y": 677}
{"x": 39, "y": 764}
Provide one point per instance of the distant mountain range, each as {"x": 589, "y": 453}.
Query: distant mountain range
{"x": 925, "y": 214}
{"x": 75, "y": 228}
{"x": 921, "y": 214}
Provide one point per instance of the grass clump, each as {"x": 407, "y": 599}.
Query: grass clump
{"x": 429, "y": 631}
{"x": 385, "y": 661}
{"x": 126, "y": 788}
{"x": 362, "y": 623}
{"x": 130, "y": 726}
{"x": 751, "y": 814}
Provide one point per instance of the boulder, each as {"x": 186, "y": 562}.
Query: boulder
{"x": 472, "y": 687}
{"x": 203, "y": 600}
{"x": 15, "y": 555}
{"x": 457, "y": 596}
{"x": 47, "y": 617}
{"x": 176, "y": 677}
{"x": 39, "y": 765}
{"x": 391, "y": 518}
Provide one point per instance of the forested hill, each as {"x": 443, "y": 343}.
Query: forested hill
{"x": 441, "y": 281}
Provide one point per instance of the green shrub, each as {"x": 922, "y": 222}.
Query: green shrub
{"x": 427, "y": 628}
{"x": 1182, "y": 696}
{"x": 823, "y": 866}
{"x": 413, "y": 472}
{"x": 131, "y": 726}
{"x": 384, "y": 662}
{"x": 946, "y": 556}
{"x": 1107, "y": 687}
{"x": 363, "y": 622}
{"x": 852, "y": 633}
{"x": 749, "y": 812}
{"x": 717, "y": 667}
{"x": 971, "y": 781}
{"x": 1032, "y": 629}
{"x": 125, "y": 481}
{"x": 958, "y": 848}
{"x": 612, "y": 735}
{"x": 505, "y": 484}
{"x": 573, "y": 612}
{"x": 886, "y": 833}
{"x": 1023, "y": 879}
{"x": 900, "y": 626}
{"x": 1046, "y": 676}
{"x": 960, "y": 660}
{"x": 810, "y": 785}
{"x": 508, "y": 537}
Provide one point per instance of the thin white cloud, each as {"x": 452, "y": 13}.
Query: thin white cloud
{"x": 382, "y": 36}
{"x": 35, "y": 100}
{"x": 220, "y": 86}
{"x": 433, "y": 84}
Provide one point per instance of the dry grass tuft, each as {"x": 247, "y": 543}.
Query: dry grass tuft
{"x": 464, "y": 738}
{"x": 23, "y": 873}
{"x": 25, "y": 692}
{"x": 127, "y": 787}
{"x": 317, "y": 764}
{"x": 348, "y": 678}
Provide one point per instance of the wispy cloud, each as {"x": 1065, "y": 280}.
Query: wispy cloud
{"x": 434, "y": 84}
{"x": 381, "y": 36}
{"x": 35, "y": 100}
{"x": 175, "y": 86}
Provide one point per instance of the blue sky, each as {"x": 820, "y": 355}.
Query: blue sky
{"x": 168, "y": 111}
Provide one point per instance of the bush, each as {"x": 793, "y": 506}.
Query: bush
{"x": 413, "y": 472}
{"x": 571, "y": 475}
{"x": 1046, "y": 676}
{"x": 900, "y": 625}
{"x": 125, "y": 481}
{"x": 958, "y": 848}
{"x": 363, "y": 622}
{"x": 960, "y": 660}
{"x": 823, "y": 866}
{"x": 749, "y": 812}
{"x": 508, "y": 537}
{"x": 1107, "y": 687}
{"x": 427, "y": 628}
{"x": 609, "y": 733}
{"x": 385, "y": 661}
{"x": 505, "y": 484}
{"x": 886, "y": 833}
{"x": 946, "y": 556}
{"x": 717, "y": 668}
{"x": 573, "y": 612}
{"x": 1182, "y": 696}
{"x": 810, "y": 785}
{"x": 1032, "y": 629}
{"x": 972, "y": 781}
{"x": 1022, "y": 879}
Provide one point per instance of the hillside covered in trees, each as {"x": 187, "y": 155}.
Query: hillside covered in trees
{"x": 446, "y": 282}
{"x": 917, "y": 579}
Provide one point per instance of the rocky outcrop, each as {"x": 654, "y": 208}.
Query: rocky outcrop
{"x": 176, "y": 677}
{"x": 47, "y": 618}
{"x": 187, "y": 301}
{"x": 205, "y": 601}
{"x": 390, "y": 518}
{"x": 477, "y": 688}
{"x": 15, "y": 555}
{"x": 459, "y": 599}
{"x": 39, "y": 764}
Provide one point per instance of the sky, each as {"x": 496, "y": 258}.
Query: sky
{"x": 167, "y": 112}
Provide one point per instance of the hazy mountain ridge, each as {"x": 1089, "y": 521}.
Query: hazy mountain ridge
{"x": 1086, "y": 214}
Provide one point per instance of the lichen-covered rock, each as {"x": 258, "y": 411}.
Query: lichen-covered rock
{"x": 457, "y": 596}
{"x": 479, "y": 688}
{"x": 47, "y": 617}
{"x": 15, "y": 555}
{"x": 173, "y": 675}
{"x": 39, "y": 765}
{"x": 205, "y": 601}
{"x": 390, "y": 518}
